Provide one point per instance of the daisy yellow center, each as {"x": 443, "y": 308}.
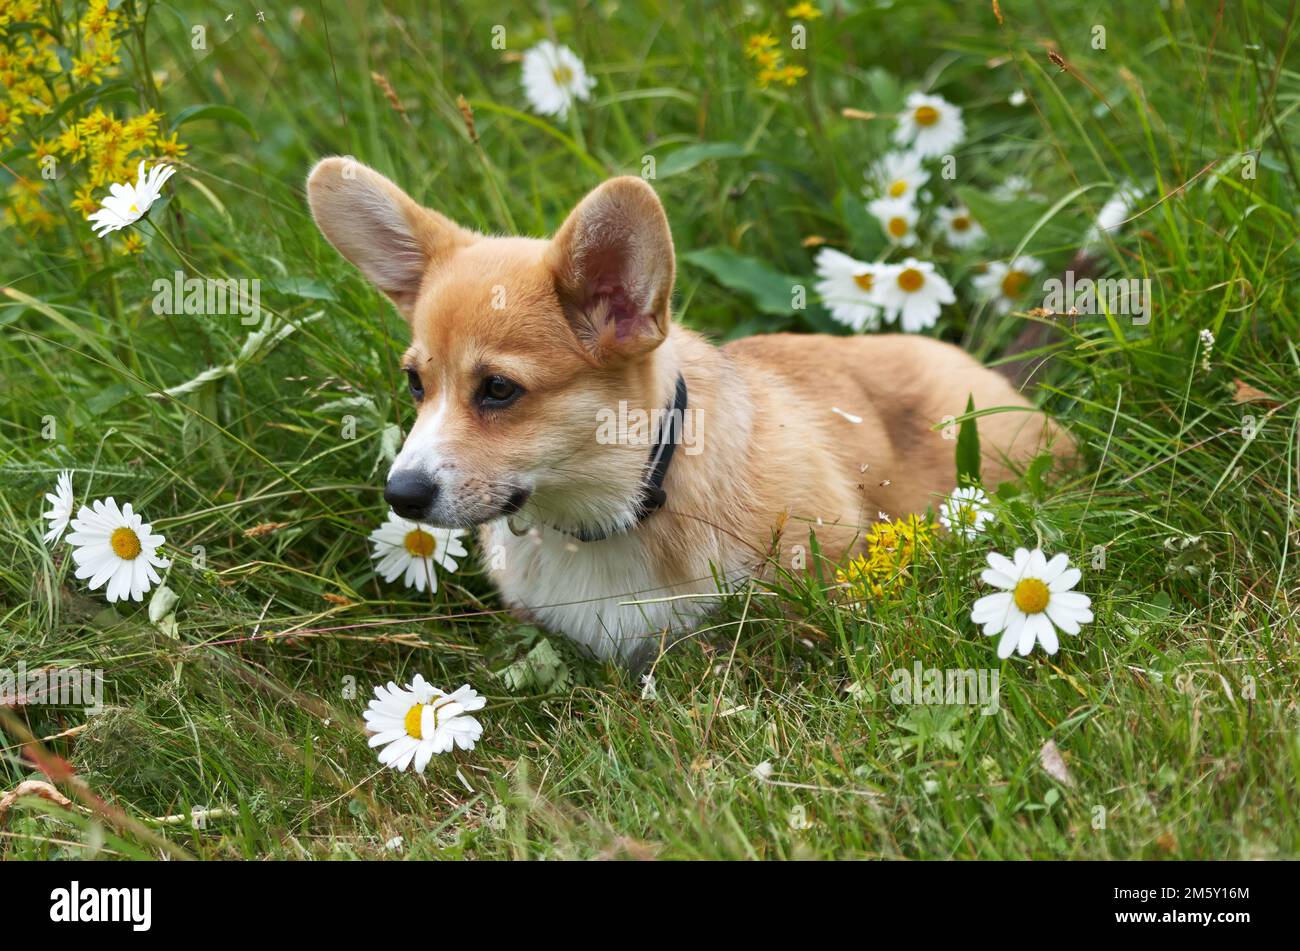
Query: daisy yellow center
{"x": 926, "y": 115}
{"x": 961, "y": 223}
{"x": 1014, "y": 283}
{"x": 863, "y": 280}
{"x": 911, "y": 280}
{"x": 968, "y": 515}
{"x": 419, "y": 543}
{"x": 413, "y": 718}
{"x": 126, "y": 543}
{"x": 563, "y": 75}
{"x": 897, "y": 188}
{"x": 898, "y": 227}
{"x": 1031, "y": 596}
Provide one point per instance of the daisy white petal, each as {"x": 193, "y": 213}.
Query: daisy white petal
{"x": 1066, "y": 580}
{"x": 1055, "y": 567}
{"x": 991, "y": 607}
{"x": 1002, "y": 564}
{"x": 1007, "y": 646}
{"x": 61, "y": 503}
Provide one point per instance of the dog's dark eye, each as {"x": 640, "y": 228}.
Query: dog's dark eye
{"x": 413, "y": 381}
{"x": 497, "y": 392}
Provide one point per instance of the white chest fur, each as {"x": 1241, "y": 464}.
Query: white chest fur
{"x": 605, "y": 595}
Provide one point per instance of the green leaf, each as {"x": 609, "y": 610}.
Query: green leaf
{"x": 541, "y": 669}
{"x": 306, "y": 287}
{"x": 865, "y": 236}
{"x": 1038, "y": 468}
{"x": 108, "y": 397}
{"x": 968, "y": 448}
{"x": 771, "y": 290}
{"x": 1007, "y": 491}
{"x": 73, "y": 102}
{"x": 212, "y": 111}
{"x": 689, "y": 156}
{"x": 1152, "y": 607}
{"x": 886, "y": 90}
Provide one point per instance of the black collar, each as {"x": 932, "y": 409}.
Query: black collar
{"x": 653, "y": 496}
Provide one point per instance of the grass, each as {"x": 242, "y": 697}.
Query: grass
{"x": 1175, "y": 712}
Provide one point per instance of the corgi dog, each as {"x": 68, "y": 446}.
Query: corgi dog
{"x": 622, "y": 471}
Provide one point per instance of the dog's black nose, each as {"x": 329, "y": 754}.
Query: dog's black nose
{"x": 410, "y": 494}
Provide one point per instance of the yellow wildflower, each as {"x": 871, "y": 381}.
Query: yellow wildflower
{"x": 889, "y": 551}
{"x": 32, "y": 96}
{"x": 85, "y": 202}
{"x": 758, "y": 43}
{"x": 41, "y": 148}
{"x": 87, "y": 69}
{"x": 137, "y": 131}
{"x": 789, "y": 75}
{"x": 106, "y": 55}
{"x": 10, "y": 120}
{"x": 169, "y": 147}
{"x": 97, "y": 123}
{"x": 25, "y": 207}
{"x": 72, "y": 143}
{"x": 803, "y": 11}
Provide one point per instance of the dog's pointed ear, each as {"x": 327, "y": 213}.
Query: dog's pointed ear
{"x": 380, "y": 228}
{"x": 612, "y": 261}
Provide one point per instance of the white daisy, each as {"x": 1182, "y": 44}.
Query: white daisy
{"x": 847, "y": 289}
{"x": 912, "y": 292}
{"x": 553, "y": 78}
{"x": 930, "y": 125}
{"x": 127, "y": 204}
{"x": 405, "y": 548}
{"x": 1013, "y": 189}
{"x": 1035, "y": 600}
{"x": 897, "y": 217}
{"x": 960, "y": 228}
{"x": 61, "y": 511}
{"x": 414, "y": 722}
{"x": 116, "y": 546}
{"x": 1004, "y": 284}
{"x": 897, "y": 175}
{"x": 1115, "y": 212}
{"x": 966, "y": 511}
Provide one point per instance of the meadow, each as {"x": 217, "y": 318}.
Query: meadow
{"x": 256, "y": 440}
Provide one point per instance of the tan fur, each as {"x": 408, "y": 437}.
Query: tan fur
{"x": 582, "y": 322}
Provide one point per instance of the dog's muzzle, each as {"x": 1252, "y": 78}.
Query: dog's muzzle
{"x": 411, "y": 494}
